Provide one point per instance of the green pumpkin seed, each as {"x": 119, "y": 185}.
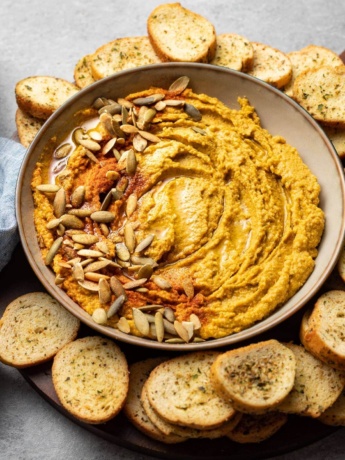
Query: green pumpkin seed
{"x": 179, "y": 85}
{"x": 145, "y": 271}
{"x": 122, "y": 252}
{"x": 134, "y": 284}
{"x": 91, "y": 156}
{"x": 103, "y": 216}
{"x": 181, "y": 331}
{"x": 48, "y": 188}
{"x": 145, "y": 243}
{"x": 78, "y": 272}
{"x": 70, "y": 221}
{"x": 89, "y": 285}
{"x": 161, "y": 282}
{"x": 129, "y": 236}
{"x": 100, "y": 316}
{"x": 104, "y": 292}
{"x": 53, "y": 224}
{"x": 141, "y": 322}
{"x": 62, "y": 151}
{"x": 111, "y": 109}
{"x": 89, "y": 253}
{"x": 159, "y": 326}
{"x": 78, "y": 196}
{"x": 116, "y": 287}
{"x": 100, "y": 102}
{"x": 131, "y": 204}
{"x": 196, "y": 321}
{"x": 123, "y": 325}
{"x": 192, "y": 111}
{"x": 96, "y": 266}
{"x": 149, "y": 136}
{"x": 54, "y": 249}
{"x": 85, "y": 238}
{"x": 149, "y": 100}
{"x": 80, "y": 212}
{"x": 139, "y": 143}
{"x": 115, "y": 306}
{"x": 131, "y": 163}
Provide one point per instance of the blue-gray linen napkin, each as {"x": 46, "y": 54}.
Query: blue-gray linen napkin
{"x": 11, "y": 156}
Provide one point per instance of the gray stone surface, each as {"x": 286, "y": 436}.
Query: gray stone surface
{"x": 48, "y": 38}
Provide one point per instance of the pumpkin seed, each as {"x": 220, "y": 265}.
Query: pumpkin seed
{"x": 70, "y": 221}
{"x": 144, "y": 243}
{"x": 134, "y": 284}
{"x": 199, "y": 130}
{"x": 150, "y": 307}
{"x": 131, "y": 164}
{"x": 111, "y": 109}
{"x": 169, "y": 314}
{"x": 106, "y": 121}
{"x": 143, "y": 260}
{"x": 117, "y": 288}
{"x": 102, "y": 246}
{"x": 174, "y": 103}
{"x": 100, "y": 316}
{"x": 196, "y": 321}
{"x": 129, "y": 129}
{"x": 192, "y": 111}
{"x": 62, "y": 151}
{"x": 124, "y": 115}
{"x": 89, "y": 253}
{"x": 188, "y": 287}
{"x": 125, "y": 103}
{"x": 59, "y": 204}
{"x": 78, "y": 196}
{"x": 96, "y": 266}
{"x": 104, "y": 228}
{"x": 129, "y": 237}
{"x": 104, "y": 292}
{"x": 145, "y": 271}
{"x": 59, "y": 280}
{"x": 198, "y": 340}
{"x": 141, "y": 322}
{"x": 139, "y": 143}
{"x": 78, "y": 272}
{"x": 54, "y": 248}
{"x": 160, "y": 106}
{"x": 181, "y": 331}
{"x": 131, "y": 204}
{"x": 107, "y": 200}
{"x": 149, "y": 100}
{"x": 115, "y": 306}
{"x": 53, "y": 223}
{"x": 89, "y": 285}
{"x": 179, "y": 85}
{"x": 161, "y": 282}
{"x": 91, "y": 156}
{"x": 174, "y": 340}
{"x": 100, "y": 102}
{"x": 159, "y": 326}
{"x": 112, "y": 175}
{"x": 86, "y": 261}
{"x": 189, "y": 326}
{"x": 80, "y": 212}
{"x": 169, "y": 327}
{"x": 122, "y": 252}
{"x": 48, "y": 188}
{"x": 95, "y": 135}
{"x": 95, "y": 277}
{"x": 117, "y": 154}
{"x": 149, "y": 136}
{"x": 117, "y": 194}
{"x": 90, "y": 144}
{"x": 116, "y": 128}
{"x": 108, "y": 146}
{"x": 123, "y": 325}
{"x": 59, "y": 167}
{"x": 85, "y": 238}
{"x": 103, "y": 216}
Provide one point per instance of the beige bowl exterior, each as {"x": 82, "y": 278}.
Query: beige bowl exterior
{"x": 279, "y": 114}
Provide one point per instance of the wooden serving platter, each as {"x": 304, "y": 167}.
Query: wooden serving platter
{"x": 18, "y": 278}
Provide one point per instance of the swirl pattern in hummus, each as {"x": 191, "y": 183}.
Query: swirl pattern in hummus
{"x": 234, "y": 211}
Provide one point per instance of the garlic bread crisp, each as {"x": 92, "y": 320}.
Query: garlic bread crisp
{"x": 234, "y": 51}
{"x": 82, "y": 72}
{"x": 40, "y": 96}
{"x": 309, "y": 57}
{"x": 133, "y": 408}
{"x": 270, "y": 65}
{"x": 121, "y": 54}
{"x": 254, "y": 428}
{"x": 322, "y": 329}
{"x": 90, "y": 377}
{"x": 335, "y": 415}
{"x": 181, "y": 392}
{"x": 321, "y": 91}
{"x": 34, "y": 327}
{"x": 27, "y": 127}
{"x": 178, "y": 34}
{"x": 316, "y": 386}
{"x": 257, "y": 377}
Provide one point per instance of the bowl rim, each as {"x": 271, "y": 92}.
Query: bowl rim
{"x": 275, "y": 318}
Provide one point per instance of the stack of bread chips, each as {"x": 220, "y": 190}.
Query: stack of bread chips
{"x": 299, "y": 74}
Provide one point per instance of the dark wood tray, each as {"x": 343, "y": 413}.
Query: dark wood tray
{"x": 18, "y": 278}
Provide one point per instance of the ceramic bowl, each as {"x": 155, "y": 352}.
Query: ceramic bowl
{"x": 279, "y": 114}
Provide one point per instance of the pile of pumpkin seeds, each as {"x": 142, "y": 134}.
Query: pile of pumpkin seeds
{"x": 119, "y": 119}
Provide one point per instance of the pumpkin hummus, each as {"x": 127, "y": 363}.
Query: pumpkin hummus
{"x": 230, "y": 213}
